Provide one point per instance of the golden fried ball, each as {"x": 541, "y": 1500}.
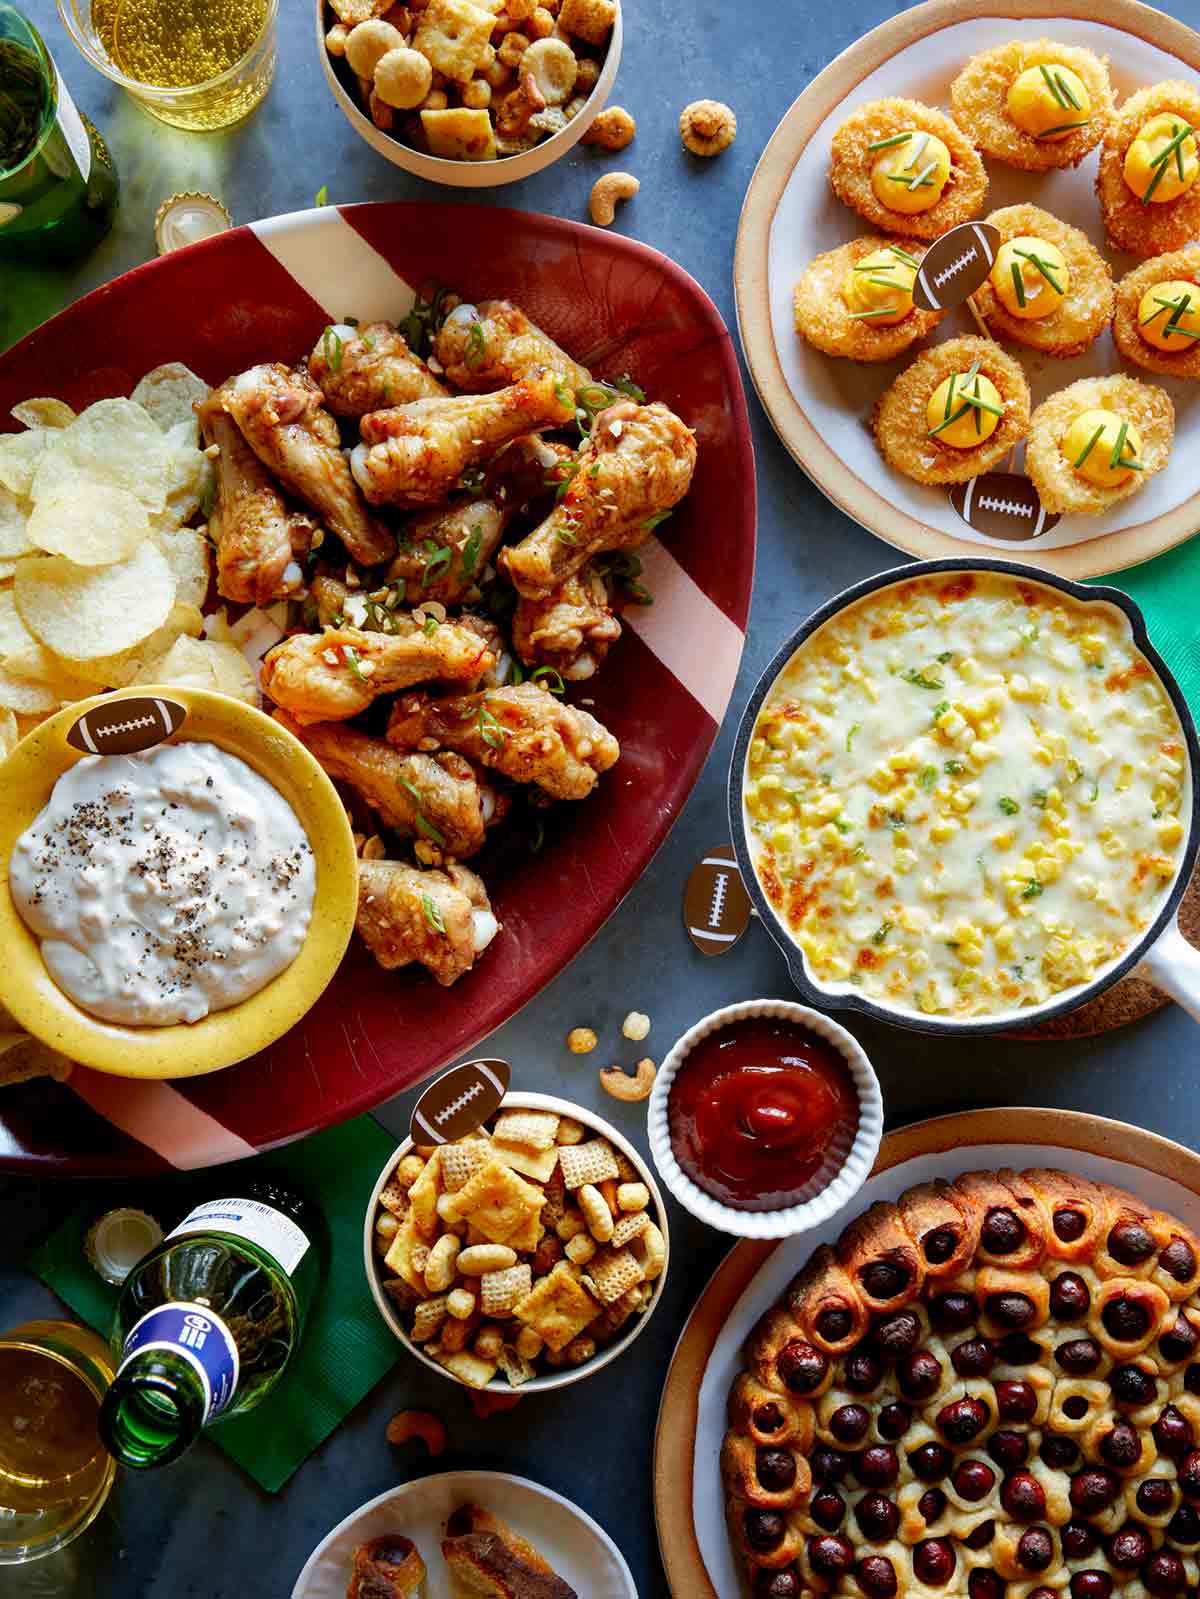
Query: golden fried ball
{"x": 837, "y": 299}
{"x": 1128, "y": 169}
{"x": 1140, "y": 320}
{"x": 1054, "y": 447}
{"x": 902, "y": 415}
{"x": 893, "y": 145}
{"x": 1075, "y": 319}
{"x": 1003, "y": 101}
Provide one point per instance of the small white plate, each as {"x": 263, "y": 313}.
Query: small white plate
{"x": 580, "y": 1551}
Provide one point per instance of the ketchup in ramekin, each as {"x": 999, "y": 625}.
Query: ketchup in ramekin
{"x": 762, "y": 1113}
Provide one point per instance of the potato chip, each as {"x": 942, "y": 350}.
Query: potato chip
{"x": 8, "y": 567}
{"x": 168, "y": 393}
{"x": 19, "y": 456}
{"x": 85, "y": 611}
{"x": 120, "y": 669}
{"x": 31, "y": 1058}
{"x": 92, "y": 524}
{"x": 199, "y": 663}
{"x": 113, "y": 443}
{"x": 44, "y": 413}
{"x": 190, "y": 479}
{"x": 10, "y": 733}
{"x": 14, "y": 514}
{"x": 21, "y": 655}
{"x": 235, "y": 675}
{"x": 22, "y": 694}
{"x": 187, "y": 553}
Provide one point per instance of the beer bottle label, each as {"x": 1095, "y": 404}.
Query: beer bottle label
{"x": 196, "y": 1335}
{"x": 257, "y": 1223}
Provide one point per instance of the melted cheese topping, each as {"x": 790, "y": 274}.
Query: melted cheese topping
{"x": 1169, "y": 315}
{"x": 910, "y": 177}
{"x": 1098, "y": 443}
{"x": 965, "y": 794}
{"x": 1049, "y": 102}
{"x": 964, "y": 410}
{"x": 879, "y": 288}
{"x": 1030, "y": 277}
{"x": 1161, "y": 162}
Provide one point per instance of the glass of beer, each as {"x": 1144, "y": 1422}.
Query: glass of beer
{"x": 55, "y": 1474}
{"x": 197, "y": 64}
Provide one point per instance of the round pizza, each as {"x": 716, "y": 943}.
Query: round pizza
{"x": 989, "y": 1388}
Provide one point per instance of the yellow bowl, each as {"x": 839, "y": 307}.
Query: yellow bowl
{"x": 225, "y": 1036}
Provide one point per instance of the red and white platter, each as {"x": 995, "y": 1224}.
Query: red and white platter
{"x": 265, "y": 292}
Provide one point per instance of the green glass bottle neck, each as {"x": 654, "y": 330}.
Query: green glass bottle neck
{"x": 153, "y": 1412}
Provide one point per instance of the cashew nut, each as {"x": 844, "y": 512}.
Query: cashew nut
{"x": 422, "y": 1424}
{"x": 485, "y": 1403}
{"x": 606, "y": 191}
{"x": 613, "y": 129}
{"x": 620, "y": 1085}
{"x": 335, "y": 39}
{"x": 515, "y": 110}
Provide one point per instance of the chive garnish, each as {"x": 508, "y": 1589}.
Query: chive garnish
{"x": 433, "y": 916}
{"x": 909, "y": 260}
{"x": 918, "y": 150}
{"x": 949, "y": 397}
{"x": 978, "y": 404}
{"x": 888, "y": 144}
{"x": 424, "y": 825}
{"x": 865, "y": 316}
{"x": 1066, "y": 89}
{"x": 1118, "y": 447}
{"x": 1042, "y": 266}
{"x": 1063, "y": 127}
{"x": 850, "y": 736}
{"x": 949, "y": 422}
{"x": 1180, "y": 311}
{"x": 1159, "y": 162}
{"x": 920, "y": 181}
{"x": 1088, "y": 447}
{"x": 1163, "y": 305}
{"x": 1018, "y": 284}
{"x": 1053, "y": 87}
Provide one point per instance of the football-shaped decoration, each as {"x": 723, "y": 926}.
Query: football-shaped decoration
{"x": 1002, "y": 505}
{"x": 716, "y": 906}
{"x": 459, "y": 1101}
{"x": 955, "y": 265}
{"x": 121, "y": 727}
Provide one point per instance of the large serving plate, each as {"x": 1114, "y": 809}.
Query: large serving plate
{"x": 265, "y": 292}
{"x": 820, "y": 406}
{"x": 688, "y": 1497}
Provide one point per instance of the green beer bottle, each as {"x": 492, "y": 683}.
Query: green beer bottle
{"x": 58, "y": 186}
{"x": 208, "y": 1320}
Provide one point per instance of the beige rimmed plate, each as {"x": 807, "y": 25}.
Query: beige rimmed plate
{"x": 821, "y": 407}
{"x": 688, "y": 1497}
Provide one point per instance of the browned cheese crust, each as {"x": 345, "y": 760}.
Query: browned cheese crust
{"x": 852, "y": 160}
{"x": 1131, "y": 224}
{"x": 1083, "y": 312}
{"x": 823, "y": 317}
{"x": 979, "y": 100}
{"x": 1035, "y": 1362}
{"x": 1179, "y": 266}
{"x": 900, "y": 425}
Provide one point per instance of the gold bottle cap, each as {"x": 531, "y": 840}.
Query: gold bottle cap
{"x": 116, "y": 1242}
{"x": 186, "y": 219}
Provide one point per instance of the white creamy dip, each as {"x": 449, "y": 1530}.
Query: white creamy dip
{"x": 164, "y": 885}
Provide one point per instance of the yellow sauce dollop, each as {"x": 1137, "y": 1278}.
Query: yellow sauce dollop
{"x": 1041, "y": 291}
{"x": 1049, "y": 102}
{"x": 879, "y": 288}
{"x": 1091, "y": 445}
{"x": 1154, "y": 174}
{"x": 910, "y": 177}
{"x": 952, "y": 418}
{"x": 1173, "y": 305}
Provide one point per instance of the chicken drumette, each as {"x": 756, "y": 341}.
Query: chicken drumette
{"x": 487, "y": 346}
{"x": 284, "y": 422}
{"x": 440, "y": 798}
{"x": 636, "y": 464}
{"x": 415, "y": 454}
{"x": 443, "y": 552}
{"x": 261, "y": 541}
{"x": 572, "y": 629}
{"x": 521, "y": 731}
{"x": 443, "y": 919}
{"x": 364, "y": 369}
{"x": 327, "y": 677}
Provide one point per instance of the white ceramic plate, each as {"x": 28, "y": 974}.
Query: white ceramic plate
{"x": 725, "y": 1361}
{"x": 580, "y": 1551}
{"x": 821, "y": 406}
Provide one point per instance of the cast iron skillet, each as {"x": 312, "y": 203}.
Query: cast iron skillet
{"x": 1168, "y": 960}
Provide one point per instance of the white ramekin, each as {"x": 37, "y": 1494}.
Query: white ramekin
{"x": 794, "y": 1218}
{"x": 566, "y": 1375}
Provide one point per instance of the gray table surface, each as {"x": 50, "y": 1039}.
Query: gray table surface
{"x": 200, "y": 1528}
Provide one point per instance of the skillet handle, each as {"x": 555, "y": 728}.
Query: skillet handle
{"x": 1173, "y": 965}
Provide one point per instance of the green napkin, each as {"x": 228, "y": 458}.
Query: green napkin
{"x": 347, "y": 1347}
{"x": 1168, "y": 591}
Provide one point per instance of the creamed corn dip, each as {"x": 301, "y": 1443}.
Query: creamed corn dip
{"x": 964, "y": 794}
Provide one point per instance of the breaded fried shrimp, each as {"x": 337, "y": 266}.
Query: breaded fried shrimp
{"x": 1149, "y": 171}
{"x": 1097, "y": 442}
{"x": 1151, "y": 327}
{"x": 987, "y": 400}
{"x": 1065, "y": 296}
{"x": 907, "y": 168}
{"x": 856, "y": 301}
{"x": 1034, "y": 104}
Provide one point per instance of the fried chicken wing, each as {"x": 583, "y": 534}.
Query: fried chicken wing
{"x": 521, "y": 731}
{"x": 527, "y": 469}
{"x": 363, "y": 369}
{"x": 637, "y": 463}
{"x": 442, "y": 919}
{"x": 572, "y": 629}
{"x": 414, "y": 455}
{"x": 284, "y": 422}
{"x": 441, "y": 798}
{"x": 442, "y": 553}
{"x": 261, "y": 541}
{"x": 327, "y": 677}
{"x": 487, "y": 346}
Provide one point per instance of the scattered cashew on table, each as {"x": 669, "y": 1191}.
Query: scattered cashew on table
{"x": 620, "y": 1085}
{"x": 422, "y": 1424}
{"x": 607, "y": 191}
